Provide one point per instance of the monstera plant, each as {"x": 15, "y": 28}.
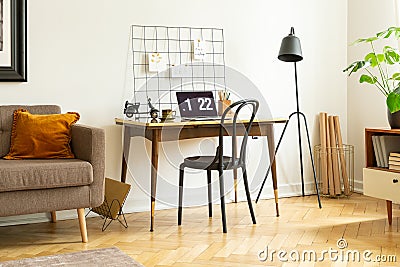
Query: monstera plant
{"x": 381, "y": 68}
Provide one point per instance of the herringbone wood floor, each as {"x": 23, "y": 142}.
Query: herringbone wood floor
{"x": 200, "y": 242}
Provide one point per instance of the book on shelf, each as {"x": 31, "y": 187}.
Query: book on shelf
{"x": 375, "y": 146}
{"x": 394, "y": 162}
{"x": 389, "y": 144}
{"x": 394, "y": 158}
{"x": 376, "y": 152}
{"x": 395, "y": 154}
{"x": 394, "y": 167}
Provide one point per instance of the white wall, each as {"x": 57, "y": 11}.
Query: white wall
{"x": 78, "y": 52}
{"x": 366, "y": 105}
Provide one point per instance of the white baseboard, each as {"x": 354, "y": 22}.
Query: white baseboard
{"x": 358, "y": 187}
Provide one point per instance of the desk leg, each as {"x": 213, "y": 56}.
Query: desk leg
{"x": 235, "y": 175}
{"x": 271, "y": 149}
{"x": 154, "y": 171}
{"x": 389, "y": 211}
{"x": 123, "y": 168}
{"x": 125, "y": 154}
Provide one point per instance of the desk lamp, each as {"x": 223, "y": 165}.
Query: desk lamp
{"x": 290, "y": 51}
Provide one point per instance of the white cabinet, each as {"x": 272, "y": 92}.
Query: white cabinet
{"x": 381, "y": 184}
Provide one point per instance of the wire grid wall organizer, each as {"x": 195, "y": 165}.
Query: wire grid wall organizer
{"x": 177, "y": 68}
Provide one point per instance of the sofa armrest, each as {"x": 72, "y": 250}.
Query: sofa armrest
{"x": 88, "y": 143}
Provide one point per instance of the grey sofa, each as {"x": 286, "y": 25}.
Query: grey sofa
{"x": 48, "y": 185}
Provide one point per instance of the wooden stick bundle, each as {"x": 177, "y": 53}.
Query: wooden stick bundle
{"x": 329, "y": 162}
{"x": 333, "y": 162}
{"x": 324, "y": 166}
{"x": 342, "y": 158}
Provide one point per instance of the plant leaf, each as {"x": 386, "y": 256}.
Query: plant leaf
{"x": 391, "y": 55}
{"x": 357, "y": 65}
{"x": 368, "y": 79}
{"x": 349, "y": 67}
{"x": 374, "y": 59}
{"x": 396, "y": 76}
{"x": 371, "y": 57}
{"x": 385, "y": 34}
{"x": 380, "y": 57}
{"x": 388, "y": 47}
{"x": 396, "y": 31}
{"x": 365, "y": 40}
{"x": 381, "y": 34}
{"x": 371, "y": 39}
{"x": 393, "y": 101}
{"x": 358, "y": 41}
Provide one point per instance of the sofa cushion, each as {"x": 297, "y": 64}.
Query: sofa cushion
{"x": 44, "y": 173}
{"x": 41, "y": 136}
{"x": 6, "y": 120}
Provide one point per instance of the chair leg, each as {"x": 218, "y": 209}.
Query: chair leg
{"x": 209, "y": 193}
{"x": 246, "y": 186}
{"x": 82, "y": 224}
{"x": 181, "y": 174}
{"x": 222, "y": 196}
{"x": 53, "y": 216}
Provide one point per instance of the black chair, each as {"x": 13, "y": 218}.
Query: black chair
{"x": 229, "y": 126}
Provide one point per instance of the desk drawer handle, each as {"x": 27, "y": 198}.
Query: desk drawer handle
{"x": 395, "y": 181}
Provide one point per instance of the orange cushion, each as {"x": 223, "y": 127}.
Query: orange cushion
{"x": 41, "y": 136}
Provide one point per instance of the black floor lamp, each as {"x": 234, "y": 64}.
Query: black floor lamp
{"x": 291, "y": 52}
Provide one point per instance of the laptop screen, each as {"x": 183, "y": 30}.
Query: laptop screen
{"x": 196, "y": 104}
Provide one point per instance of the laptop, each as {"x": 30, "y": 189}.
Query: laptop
{"x": 197, "y": 105}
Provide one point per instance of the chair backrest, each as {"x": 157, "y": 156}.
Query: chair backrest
{"x": 231, "y": 126}
{"x": 6, "y": 120}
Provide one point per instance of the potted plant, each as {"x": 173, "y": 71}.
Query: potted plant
{"x": 381, "y": 69}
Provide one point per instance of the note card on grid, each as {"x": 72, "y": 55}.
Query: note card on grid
{"x": 157, "y": 62}
{"x": 199, "y": 49}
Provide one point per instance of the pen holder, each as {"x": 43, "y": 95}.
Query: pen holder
{"x": 222, "y": 106}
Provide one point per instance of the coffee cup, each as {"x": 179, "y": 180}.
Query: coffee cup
{"x": 168, "y": 113}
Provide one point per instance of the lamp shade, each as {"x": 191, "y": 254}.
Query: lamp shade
{"x": 290, "y": 50}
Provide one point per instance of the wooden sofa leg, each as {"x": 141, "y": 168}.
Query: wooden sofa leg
{"x": 82, "y": 224}
{"x": 53, "y": 216}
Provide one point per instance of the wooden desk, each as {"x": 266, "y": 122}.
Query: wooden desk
{"x": 172, "y": 131}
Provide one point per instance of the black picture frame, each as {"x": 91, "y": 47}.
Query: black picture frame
{"x": 17, "y": 71}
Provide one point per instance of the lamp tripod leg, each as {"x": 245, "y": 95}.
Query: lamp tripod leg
{"x": 312, "y": 161}
{"x": 300, "y": 154}
{"x": 310, "y": 151}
